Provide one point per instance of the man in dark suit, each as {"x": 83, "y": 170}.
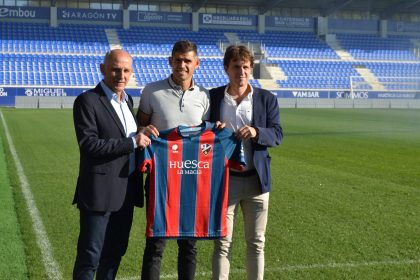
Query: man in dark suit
{"x": 253, "y": 113}
{"x": 108, "y": 186}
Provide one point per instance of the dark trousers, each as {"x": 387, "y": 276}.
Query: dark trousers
{"x": 153, "y": 253}
{"x": 103, "y": 240}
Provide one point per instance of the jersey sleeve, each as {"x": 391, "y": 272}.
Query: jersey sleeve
{"x": 146, "y": 159}
{"x": 232, "y": 147}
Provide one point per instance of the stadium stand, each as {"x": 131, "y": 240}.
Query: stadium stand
{"x": 44, "y": 69}
{"x": 69, "y": 55}
{"x": 290, "y": 44}
{"x": 159, "y": 41}
{"x": 41, "y": 38}
{"x": 371, "y": 47}
{"x": 315, "y": 74}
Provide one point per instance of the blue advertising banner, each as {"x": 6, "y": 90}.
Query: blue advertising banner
{"x": 8, "y": 94}
{"x": 402, "y": 26}
{"x": 346, "y": 94}
{"x": 290, "y": 22}
{"x": 160, "y": 17}
{"x": 352, "y": 24}
{"x": 225, "y": 19}
{"x": 7, "y": 98}
{"x": 24, "y": 12}
{"x": 91, "y": 15}
{"x": 49, "y": 91}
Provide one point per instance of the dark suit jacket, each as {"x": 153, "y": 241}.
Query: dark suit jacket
{"x": 266, "y": 118}
{"x": 102, "y": 184}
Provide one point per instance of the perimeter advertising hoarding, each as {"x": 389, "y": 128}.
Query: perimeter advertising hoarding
{"x": 290, "y": 22}
{"x": 8, "y": 94}
{"x": 365, "y": 25}
{"x": 331, "y": 94}
{"x": 160, "y": 17}
{"x": 24, "y": 12}
{"x": 402, "y": 26}
{"x": 89, "y": 15}
{"x": 226, "y": 19}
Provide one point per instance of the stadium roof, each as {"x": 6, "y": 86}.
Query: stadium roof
{"x": 383, "y": 8}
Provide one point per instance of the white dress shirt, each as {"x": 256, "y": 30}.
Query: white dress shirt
{"x": 236, "y": 116}
{"x": 125, "y": 116}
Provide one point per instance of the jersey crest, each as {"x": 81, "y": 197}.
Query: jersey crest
{"x": 205, "y": 148}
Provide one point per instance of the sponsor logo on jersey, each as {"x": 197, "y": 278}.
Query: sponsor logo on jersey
{"x": 189, "y": 164}
{"x": 174, "y": 148}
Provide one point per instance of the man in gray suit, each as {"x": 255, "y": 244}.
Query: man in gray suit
{"x": 108, "y": 186}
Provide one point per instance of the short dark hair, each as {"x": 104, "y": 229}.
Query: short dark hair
{"x": 184, "y": 46}
{"x": 234, "y": 53}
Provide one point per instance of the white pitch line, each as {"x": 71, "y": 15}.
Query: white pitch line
{"x": 299, "y": 267}
{"x": 51, "y": 267}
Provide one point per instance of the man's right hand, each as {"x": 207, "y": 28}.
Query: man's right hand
{"x": 142, "y": 140}
{"x": 149, "y": 130}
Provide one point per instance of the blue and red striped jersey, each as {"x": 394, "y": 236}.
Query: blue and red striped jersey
{"x": 188, "y": 181}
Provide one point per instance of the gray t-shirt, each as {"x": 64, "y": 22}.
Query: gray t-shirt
{"x": 170, "y": 107}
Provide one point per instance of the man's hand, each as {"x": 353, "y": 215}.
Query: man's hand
{"x": 219, "y": 125}
{"x": 246, "y": 132}
{"x": 149, "y": 130}
{"x": 142, "y": 140}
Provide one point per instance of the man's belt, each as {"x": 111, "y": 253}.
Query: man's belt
{"x": 247, "y": 173}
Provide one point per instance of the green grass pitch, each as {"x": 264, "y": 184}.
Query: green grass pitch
{"x": 345, "y": 202}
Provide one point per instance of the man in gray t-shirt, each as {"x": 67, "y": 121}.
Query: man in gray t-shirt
{"x": 166, "y": 104}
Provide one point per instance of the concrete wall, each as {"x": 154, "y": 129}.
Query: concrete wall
{"x": 53, "y": 102}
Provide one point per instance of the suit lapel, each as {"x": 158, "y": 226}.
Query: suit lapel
{"x": 107, "y": 104}
{"x": 219, "y": 102}
{"x": 255, "y": 104}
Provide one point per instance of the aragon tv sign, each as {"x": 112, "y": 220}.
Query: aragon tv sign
{"x": 24, "y": 12}
{"x": 91, "y": 15}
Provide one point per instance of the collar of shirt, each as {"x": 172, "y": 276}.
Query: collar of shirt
{"x": 112, "y": 95}
{"x": 229, "y": 99}
{"x": 178, "y": 88}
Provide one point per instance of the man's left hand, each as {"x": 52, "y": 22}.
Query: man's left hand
{"x": 246, "y": 132}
